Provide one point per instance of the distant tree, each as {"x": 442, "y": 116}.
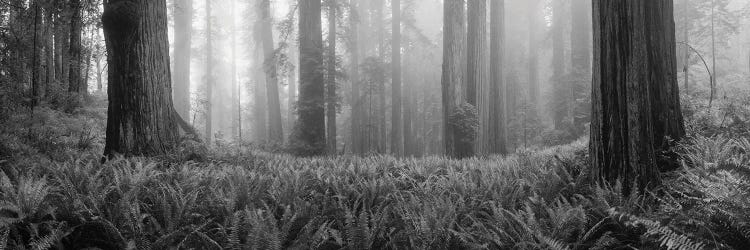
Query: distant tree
{"x": 275, "y": 126}
{"x": 397, "y": 140}
{"x": 559, "y": 96}
{"x": 209, "y": 75}
{"x": 636, "y": 107}
{"x": 356, "y": 99}
{"x": 533, "y": 56}
{"x": 498, "y": 122}
{"x": 580, "y": 41}
{"x": 454, "y": 71}
{"x": 331, "y": 96}
{"x": 141, "y": 119}
{"x": 183, "y": 30}
{"x": 310, "y": 128}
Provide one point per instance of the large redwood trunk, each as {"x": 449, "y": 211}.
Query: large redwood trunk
{"x": 310, "y": 127}
{"x": 497, "y": 126}
{"x": 141, "y": 118}
{"x": 276, "y": 133}
{"x": 454, "y": 70}
{"x": 634, "y": 108}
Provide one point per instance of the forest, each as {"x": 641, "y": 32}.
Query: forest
{"x": 375, "y": 124}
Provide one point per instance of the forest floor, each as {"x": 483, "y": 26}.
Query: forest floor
{"x": 55, "y": 193}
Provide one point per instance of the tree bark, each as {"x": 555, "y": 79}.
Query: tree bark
{"x": 633, "y": 84}
{"x": 75, "y": 79}
{"x": 310, "y": 128}
{"x": 276, "y": 132}
{"x": 476, "y": 51}
{"x": 497, "y": 127}
{"x": 183, "y": 30}
{"x": 141, "y": 118}
{"x": 454, "y": 69}
{"x": 397, "y": 135}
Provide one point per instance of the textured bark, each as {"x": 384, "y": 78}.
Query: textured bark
{"x": 275, "y": 132}
{"x": 454, "y": 69}
{"x": 331, "y": 95}
{"x": 561, "y": 90}
{"x": 310, "y": 128}
{"x": 62, "y": 44}
{"x": 632, "y": 85}
{"x": 141, "y": 118}
{"x": 498, "y": 129}
{"x": 183, "y": 21}
{"x": 397, "y": 136}
{"x": 209, "y": 76}
{"x": 476, "y": 57}
{"x": 75, "y": 78}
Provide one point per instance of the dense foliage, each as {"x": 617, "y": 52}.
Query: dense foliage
{"x": 55, "y": 193}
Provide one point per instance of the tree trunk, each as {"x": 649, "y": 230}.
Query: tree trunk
{"x": 141, "y": 118}
{"x": 634, "y": 106}
{"x": 49, "y": 47}
{"x": 497, "y": 127}
{"x": 397, "y": 137}
{"x": 37, "y": 89}
{"x": 62, "y": 44}
{"x": 75, "y": 80}
{"x": 209, "y": 77}
{"x": 276, "y": 132}
{"x": 533, "y": 63}
{"x": 356, "y": 101}
{"x": 454, "y": 69}
{"x": 310, "y": 128}
{"x": 331, "y": 79}
{"x": 477, "y": 63}
{"x": 183, "y": 29}
{"x": 560, "y": 96}
{"x": 382, "y": 136}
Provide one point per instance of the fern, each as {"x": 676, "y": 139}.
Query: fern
{"x": 666, "y": 236}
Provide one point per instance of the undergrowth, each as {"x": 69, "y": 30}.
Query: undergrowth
{"x": 56, "y": 194}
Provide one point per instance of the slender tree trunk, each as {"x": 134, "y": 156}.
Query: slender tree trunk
{"x": 634, "y": 106}
{"x": 331, "y": 95}
{"x": 397, "y": 137}
{"x": 533, "y": 63}
{"x": 310, "y": 128}
{"x": 75, "y": 79}
{"x": 183, "y": 30}
{"x": 454, "y": 69}
{"x": 209, "y": 76}
{"x": 686, "y": 51}
{"x": 49, "y": 47}
{"x": 36, "y": 82}
{"x": 380, "y": 122}
{"x": 276, "y": 132}
{"x": 356, "y": 101}
{"x": 498, "y": 129}
{"x": 141, "y": 118}
{"x": 558, "y": 65}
